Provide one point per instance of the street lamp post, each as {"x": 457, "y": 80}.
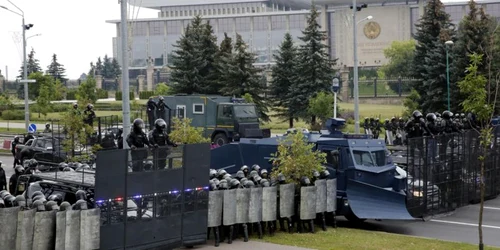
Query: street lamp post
{"x": 125, "y": 76}
{"x": 448, "y": 43}
{"x": 25, "y": 73}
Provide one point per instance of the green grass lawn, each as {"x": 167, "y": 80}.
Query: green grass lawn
{"x": 346, "y": 238}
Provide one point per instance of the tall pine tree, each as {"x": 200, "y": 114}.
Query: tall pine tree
{"x": 314, "y": 64}
{"x": 193, "y": 61}
{"x": 117, "y": 70}
{"x": 284, "y": 74}
{"x": 224, "y": 56}
{"x": 99, "y": 67}
{"x": 242, "y": 77}
{"x": 33, "y": 65}
{"x": 56, "y": 70}
{"x": 429, "y": 63}
{"x": 107, "y": 69}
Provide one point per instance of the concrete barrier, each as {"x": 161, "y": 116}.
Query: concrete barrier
{"x": 32, "y": 230}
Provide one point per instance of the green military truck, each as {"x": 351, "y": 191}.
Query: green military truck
{"x": 224, "y": 119}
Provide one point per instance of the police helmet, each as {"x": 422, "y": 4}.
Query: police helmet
{"x": 90, "y": 106}
{"x": 213, "y": 173}
{"x": 462, "y": 115}
{"x": 366, "y": 118}
{"x": 438, "y": 115}
{"x": 39, "y": 197}
{"x": 38, "y": 205}
{"x": 21, "y": 201}
{"x": 16, "y": 138}
{"x": 221, "y": 173}
{"x": 253, "y": 173}
{"x": 10, "y": 201}
{"x": 249, "y": 184}
{"x": 265, "y": 183}
{"x": 417, "y": 114}
{"x": 234, "y": 183}
{"x": 401, "y": 119}
{"x": 2, "y": 203}
{"x": 75, "y": 105}
{"x": 4, "y": 193}
{"x": 160, "y": 124}
{"x": 393, "y": 119}
{"x": 264, "y": 173}
{"x": 47, "y": 125}
{"x": 386, "y": 120}
{"x": 19, "y": 170}
{"x": 377, "y": 119}
{"x": 305, "y": 181}
{"x": 148, "y": 166}
{"x": 81, "y": 195}
{"x": 372, "y": 119}
{"x": 281, "y": 177}
{"x": 161, "y": 98}
{"x": 223, "y": 185}
{"x": 68, "y": 169}
{"x": 63, "y": 165}
{"x": 77, "y": 166}
{"x": 51, "y": 206}
{"x": 65, "y": 206}
{"x": 216, "y": 181}
{"x": 457, "y": 115}
{"x": 35, "y": 194}
{"x": 138, "y": 125}
{"x": 33, "y": 163}
{"x": 80, "y": 205}
{"x": 244, "y": 168}
{"x": 257, "y": 179}
{"x": 240, "y": 175}
{"x": 325, "y": 174}
{"x": 315, "y": 174}
{"x": 447, "y": 115}
{"x": 56, "y": 197}
{"x": 228, "y": 177}
{"x": 212, "y": 185}
{"x": 430, "y": 117}
{"x": 256, "y": 167}
{"x": 243, "y": 180}
{"x": 86, "y": 166}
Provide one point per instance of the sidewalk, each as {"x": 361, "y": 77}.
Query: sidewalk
{"x": 250, "y": 245}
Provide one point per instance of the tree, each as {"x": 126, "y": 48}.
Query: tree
{"x": 400, "y": 55}
{"x": 224, "y": 57}
{"x": 193, "y": 61}
{"x": 33, "y": 65}
{"x": 429, "y": 63}
{"x": 242, "y": 77}
{"x": 321, "y": 106}
{"x": 107, "y": 68}
{"x": 163, "y": 89}
{"x": 183, "y": 132}
{"x": 86, "y": 92}
{"x": 99, "y": 68}
{"x": 116, "y": 69}
{"x": 473, "y": 36}
{"x": 473, "y": 86}
{"x": 316, "y": 68}
{"x": 296, "y": 158}
{"x": 284, "y": 78}
{"x": 92, "y": 69}
{"x": 56, "y": 70}
{"x": 49, "y": 89}
{"x": 77, "y": 132}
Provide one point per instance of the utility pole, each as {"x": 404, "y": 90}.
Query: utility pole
{"x": 125, "y": 78}
{"x": 25, "y": 78}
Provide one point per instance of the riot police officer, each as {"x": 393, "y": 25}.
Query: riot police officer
{"x": 47, "y": 128}
{"x": 394, "y": 126}
{"x": 415, "y": 128}
{"x": 119, "y": 138}
{"x": 158, "y": 137}
{"x": 366, "y": 125}
{"x": 376, "y": 128}
{"x": 3, "y": 178}
{"x": 76, "y": 111}
{"x": 151, "y": 109}
{"x": 89, "y": 115}
{"x": 450, "y": 126}
{"x": 137, "y": 140}
{"x": 28, "y": 137}
{"x": 161, "y": 108}
{"x": 13, "y": 150}
{"x": 433, "y": 130}
{"x": 18, "y": 171}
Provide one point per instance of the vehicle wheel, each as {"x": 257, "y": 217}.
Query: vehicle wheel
{"x": 220, "y": 139}
{"x": 353, "y": 218}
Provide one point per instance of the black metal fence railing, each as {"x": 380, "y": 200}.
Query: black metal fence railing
{"x": 444, "y": 172}
{"x": 383, "y": 87}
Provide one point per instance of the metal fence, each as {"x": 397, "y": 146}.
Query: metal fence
{"x": 444, "y": 172}
{"x": 383, "y": 87}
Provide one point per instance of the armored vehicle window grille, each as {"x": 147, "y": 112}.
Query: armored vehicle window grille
{"x": 331, "y": 159}
{"x": 370, "y": 159}
{"x": 181, "y": 111}
{"x": 198, "y": 108}
{"x": 245, "y": 111}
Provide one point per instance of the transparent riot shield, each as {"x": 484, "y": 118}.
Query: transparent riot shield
{"x": 242, "y": 205}
{"x": 320, "y": 196}
{"x": 255, "y": 207}
{"x": 269, "y": 206}
{"x": 331, "y": 195}
{"x": 229, "y": 209}
{"x": 287, "y": 200}
{"x": 215, "y": 203}
{"x": 8, "y": 229}
{"x": 307, "y": 203}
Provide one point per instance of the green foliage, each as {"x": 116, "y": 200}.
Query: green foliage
{"x": 56, "y": 70}
{"x": 87, "y": 92}
{"x": 285, "y": 78}
{"x": 429, "y": 63}
{"x": 242, "y": 77}
{"x": 76, "y": 130}
{"x": 102, "y": 94}
{"x": 144, "y": 95}
{"x": 118, "y": 96}
{"x": 71, "y": 94}
{"x": 59, "y": 91}
{"x": 296, "y": 158}
{"x": 163, "y": 89}
{"x": 400, "y": 55}
{"x": 50, "y": 89}
{"x": 183, "y": 132}
{"x": 248, "y": 98}
{"x": 10, "y": 115}
{"x": 321, "y": 106}
{"x": 193, "y": 61}
{"x": 33, "y": 65}
{"x": 316, "y": 68}
{"x": 411, "y": 103}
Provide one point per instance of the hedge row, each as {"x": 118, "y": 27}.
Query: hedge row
{"x": 118, "y": 95}
{"x": 144, "y": 95}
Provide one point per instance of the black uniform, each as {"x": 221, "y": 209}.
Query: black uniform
{"x": 28, "y": 137}
{"x": 89, "y": 115}
{"x": 119, "y": 138}
{"x": 159, "y": 139}
{"x": 47, "y": 128}
{"x": 13, "y": 150}
{"x": 431, "y": 132}
{"x": 19, "y": 170}
{"x": 3, "y": 179}
{"x": 416, "y": 128}
{"x": 137, "y": 140}
{"x": 151, "y": 109}
{"x": 161, "y": 109}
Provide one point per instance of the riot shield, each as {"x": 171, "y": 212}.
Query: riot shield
{"x": 25, "y": 227}
{"x": 45, "y": 228}
{"x": 320, "y": 196}
{"x": 307, "y": 203}
{"x": 403, "y": 134}
{"x": 72, "y": 236}
{"x": 90, "y": 229}
{"x": 389, "y": 137}
{"x": 287, "y": 200}
{"x": 255, "y": 211}
{"x": 242, "y": 205}
{"x": 60, "y": 230}
{"x": 331, "y": 195}
{"x": 229, "y": 209}
{"x": 269, "y": 199}
{"x": 215, "y": 202}
{"x": 8, "y": 229}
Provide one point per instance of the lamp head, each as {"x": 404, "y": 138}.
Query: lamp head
{"x": 449, "y": 42}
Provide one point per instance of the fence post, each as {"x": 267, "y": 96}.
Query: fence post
{"x": 375, "y": 86}
{"x": 399, "y": 86}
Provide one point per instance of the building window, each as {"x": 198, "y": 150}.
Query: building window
{"x": 181, "y": 111}
{"x": 198, "y": 108}
{"x": 156, "y": 28}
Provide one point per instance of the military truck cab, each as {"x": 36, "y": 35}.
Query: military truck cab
{"x": 223, "y": 119}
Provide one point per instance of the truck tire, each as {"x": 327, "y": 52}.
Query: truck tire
{"x": 220, "y": 139}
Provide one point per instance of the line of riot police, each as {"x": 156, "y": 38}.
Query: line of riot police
{"x": 156, "y": 110}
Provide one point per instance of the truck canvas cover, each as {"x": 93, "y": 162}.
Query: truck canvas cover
{"x": 371, "y": 202}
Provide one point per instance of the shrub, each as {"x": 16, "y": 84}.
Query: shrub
{"x": 118, "y": 95}
{"x": 71, "y": 95}
{"x": 13, "y": 115}
{"x": 144, "y": 95}
{"x": 102, "y": 94}
{"x": 183, "y": 132}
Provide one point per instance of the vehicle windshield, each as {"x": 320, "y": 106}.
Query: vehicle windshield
{"x": 245, "y": 111}
{"x": 369, "y": 158}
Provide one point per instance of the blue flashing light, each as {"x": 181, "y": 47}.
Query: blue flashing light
{"x": 174, "y": 192}
{"x": 189, "y": 190}
{"x": 100, "y": 201}
{"x": 137, "y": 196}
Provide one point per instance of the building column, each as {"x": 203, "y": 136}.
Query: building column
{"x": 269, "y": 38}
{"x": 140, "y": 79}
{"x": 149, "y": 74}
{"x": 324, "y": 21}
{"x": 421, "y": 6}
{"x": 98, "y": 81}
{"x": 344, "y": 75}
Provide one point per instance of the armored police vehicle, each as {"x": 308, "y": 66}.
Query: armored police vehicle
{"x": 224, "y": 119}
{"x": 369, "y": 185}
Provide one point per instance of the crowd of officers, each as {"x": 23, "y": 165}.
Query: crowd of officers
{"x": 433, "y": 124}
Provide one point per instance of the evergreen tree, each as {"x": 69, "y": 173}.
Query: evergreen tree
{"x": 429, "y": 63}
{"x": 92, "y": 69}
{"x": 242, "y": 77}
{"x": 284, "y": 78}
{"x": 224, "y": 56}
{"x": 56, "y": 70}
{"x": 193, "y": 61}
{"x": 33, "y": 65}
{"x": 107, "y": 69}
{"x": 117, "y": 70}
{"x": 99, "y": 67}
{"x": 316, "y": 68}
